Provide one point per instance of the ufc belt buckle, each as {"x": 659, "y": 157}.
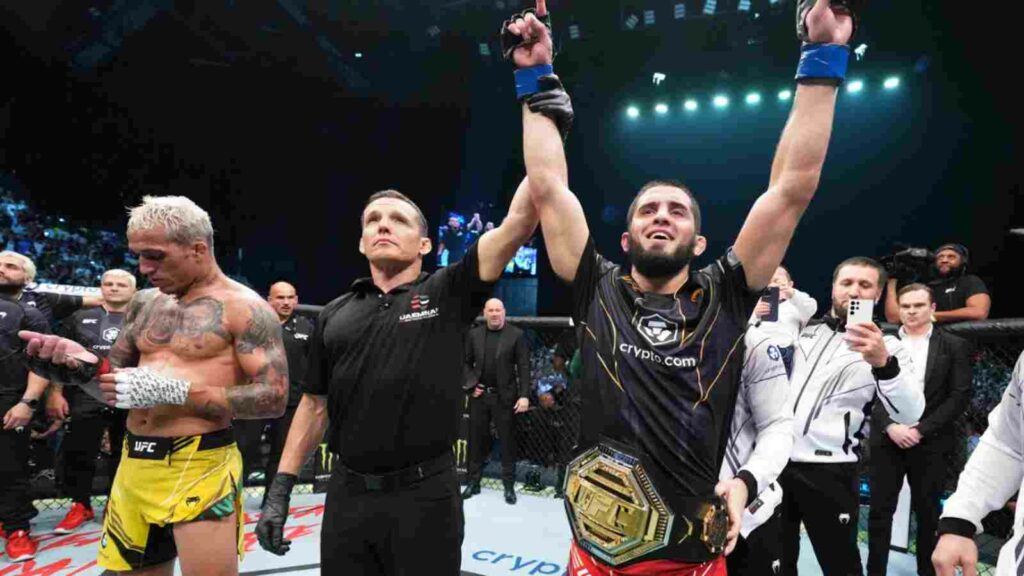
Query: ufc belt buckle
{"x": 614, "y": 509}
{"x": 716, "y": 527}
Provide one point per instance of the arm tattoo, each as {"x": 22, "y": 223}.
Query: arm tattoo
{"x": 266, "y": 393}
{"x": 263, "y": 327}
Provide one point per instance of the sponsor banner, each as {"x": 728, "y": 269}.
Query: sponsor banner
{"x": 66, "y": 289}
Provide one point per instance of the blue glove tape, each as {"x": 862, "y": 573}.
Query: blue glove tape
{"x": 823, "y": 61}
{"x": 526, "y": 79}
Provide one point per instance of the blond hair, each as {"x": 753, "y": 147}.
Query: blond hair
{"x": 182, "y": 219}
{"x": 25, "y": 262}
{"x": 118, "y": 272}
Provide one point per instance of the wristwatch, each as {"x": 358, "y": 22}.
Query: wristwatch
{"x": 32, "y": 403}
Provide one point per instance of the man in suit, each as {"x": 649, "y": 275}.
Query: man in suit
{"x": 498, "y": 374}
{"x": 942, "y": 368}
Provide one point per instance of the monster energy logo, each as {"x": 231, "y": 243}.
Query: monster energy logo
{"x": 326, "y": 459}
{"x": 460, "y": 449}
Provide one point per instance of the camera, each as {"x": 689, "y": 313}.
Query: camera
{"x": 909, "y": 264}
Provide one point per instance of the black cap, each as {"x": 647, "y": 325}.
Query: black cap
{"x": 958, "y": 248}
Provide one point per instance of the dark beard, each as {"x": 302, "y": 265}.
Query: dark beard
{"x": 8, "y": 289}
{"x": 953, "y": 272}
{"x": 659, "y": 265}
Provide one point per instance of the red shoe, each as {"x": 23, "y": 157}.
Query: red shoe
{"x": 77, "y": 516}
{"x": 20, "y": 547}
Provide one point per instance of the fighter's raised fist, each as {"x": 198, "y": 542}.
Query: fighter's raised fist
{"x": 826, "y": 21}
{"x": 526, "y": 37}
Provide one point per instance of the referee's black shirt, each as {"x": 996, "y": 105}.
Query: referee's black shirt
{"x": 391, "y": 366}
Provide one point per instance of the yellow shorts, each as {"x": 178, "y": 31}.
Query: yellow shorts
{"x": 167, "y": 481}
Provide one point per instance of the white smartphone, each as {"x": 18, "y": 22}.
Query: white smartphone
{"x": 860, "y": 311}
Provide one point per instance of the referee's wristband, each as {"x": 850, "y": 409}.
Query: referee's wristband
{"x": 527, "y": 79}
{"x": 823, "y": 63}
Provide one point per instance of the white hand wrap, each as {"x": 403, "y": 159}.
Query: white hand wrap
{"x": 144, "y": 388}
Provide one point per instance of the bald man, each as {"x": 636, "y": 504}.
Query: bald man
{"x": 296, "y": 330}
{"x": 498, "y": 373}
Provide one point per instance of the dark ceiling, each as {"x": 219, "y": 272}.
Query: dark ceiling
{"x": 237, "y": 102}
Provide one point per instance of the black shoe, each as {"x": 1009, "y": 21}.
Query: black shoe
{"x": 470, "y": 490}
{"x": 510, "y": 495}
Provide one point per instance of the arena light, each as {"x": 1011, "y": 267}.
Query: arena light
{"x": 690, "y": 105}
{"x": 785, "y": 95}
{"x": 679, "y": 11}
{"x": 855, "y": 86}
{"x": 892, "y": 83}
{"x": 648, "y": 17}
{"x": 633, "y": 112}
{"x": 709, "y": 7}
{"x": 631, "y": 21}
{"x": 574, "y": 31}
{"x": 753, "y": 99}
{"x": 359, "y": 55}
{"x": 661, "y": 108}
{"x": 744, "y": 6}
{"x": 721, "y": 101}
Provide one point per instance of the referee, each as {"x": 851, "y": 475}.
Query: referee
{"x": 385, "y": 369}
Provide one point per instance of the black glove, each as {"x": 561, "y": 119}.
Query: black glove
{"x": 851, "y": 7}
{"x": 60, "y": 373}
{"x": 270, "y": 528}
{"x": 553, "y": 101}
{"x": 510, "y": 41}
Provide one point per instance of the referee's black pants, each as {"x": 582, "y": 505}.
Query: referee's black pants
{"x": 409, "y": 530}
{"x": 925, "y": 467}
{"x": 824, "y": 497}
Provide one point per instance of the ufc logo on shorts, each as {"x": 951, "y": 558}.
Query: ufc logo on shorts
{"x": 149, "y": 448}
{"x": 145, "y": 447}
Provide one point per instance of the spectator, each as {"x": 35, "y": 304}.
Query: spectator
{"x": 452, "y": 241}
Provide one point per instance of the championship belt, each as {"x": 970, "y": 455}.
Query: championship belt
{"x": 618, "y": 516}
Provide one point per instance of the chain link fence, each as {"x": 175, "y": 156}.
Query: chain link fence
{"x": 995, "y": 348}
{"x": 547, "y": 432}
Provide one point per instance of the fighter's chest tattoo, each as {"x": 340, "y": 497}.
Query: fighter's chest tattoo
{"x": 168, "y": 322}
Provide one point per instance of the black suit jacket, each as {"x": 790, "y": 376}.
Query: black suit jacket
{"x": 513, "y": 362}
{"x": 947, "y": 388}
